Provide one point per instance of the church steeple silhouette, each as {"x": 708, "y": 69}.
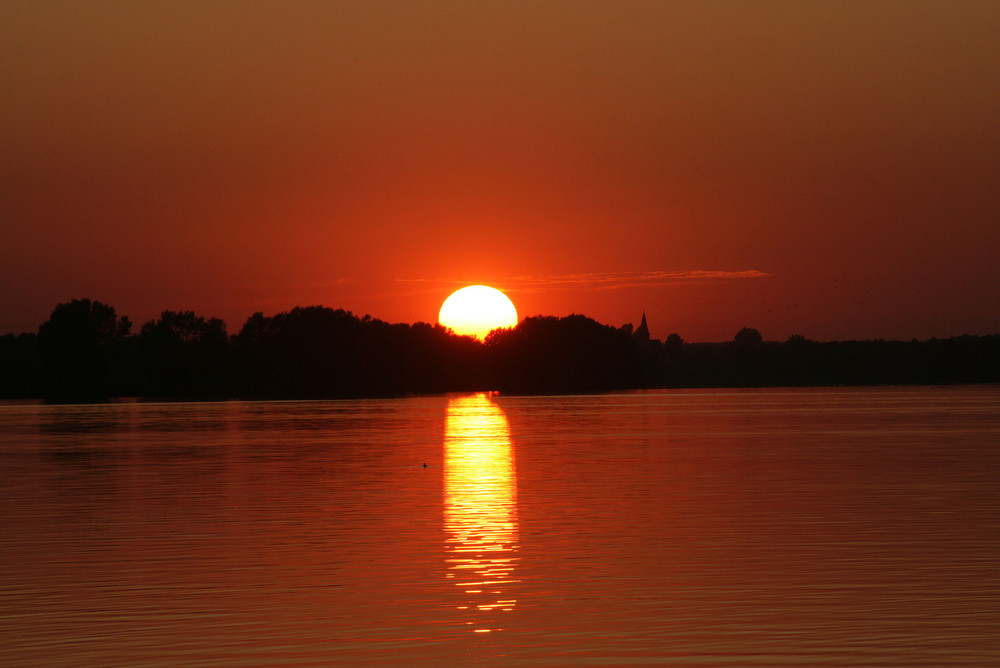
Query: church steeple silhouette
{"x": 642, "y": 331}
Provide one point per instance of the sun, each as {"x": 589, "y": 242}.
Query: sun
{"x": 476, "y": 311}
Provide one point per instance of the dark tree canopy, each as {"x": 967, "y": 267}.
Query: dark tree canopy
{"x": 183, "y": 355}
{"x": 575, "y": 353}
{"x": 748, "y": 337}
{"x": 81, "y": 347}
{"x": 86, "y": 352}
{"x": 317, "y": 351}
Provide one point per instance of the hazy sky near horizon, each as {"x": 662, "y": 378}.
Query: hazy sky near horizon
{"x": 824, "y": 168}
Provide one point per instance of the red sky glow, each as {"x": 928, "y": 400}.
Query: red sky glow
{"x": 827, "y": 169}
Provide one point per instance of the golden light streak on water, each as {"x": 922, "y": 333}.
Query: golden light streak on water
{"x": 480, "y": 507}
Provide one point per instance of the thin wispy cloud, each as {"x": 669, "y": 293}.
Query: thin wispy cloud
{"x": 328, "y": 283}
{"x": 606, "y": 280}
{"x": 629, "y": 279}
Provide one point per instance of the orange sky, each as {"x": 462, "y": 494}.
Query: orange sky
{"x": 829, "y": 169}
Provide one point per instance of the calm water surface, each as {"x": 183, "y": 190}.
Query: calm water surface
{"x": 802, "y": 527}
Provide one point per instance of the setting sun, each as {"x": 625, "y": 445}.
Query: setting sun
{"x": 477, "y": 310}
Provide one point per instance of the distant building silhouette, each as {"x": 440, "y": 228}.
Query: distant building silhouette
{"x": 641, "y": 332}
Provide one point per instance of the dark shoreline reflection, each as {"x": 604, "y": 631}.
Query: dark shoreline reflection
{"x": 480, "y": 509}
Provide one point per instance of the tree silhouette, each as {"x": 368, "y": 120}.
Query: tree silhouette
{"x": 81, "y": 347}
{"x": 84, "y": 351}
{"x": 571, "y": 354}
{"x": 183, "y": 355}
{"x": 748, "y": 337}
{"x": 320, "y": 352}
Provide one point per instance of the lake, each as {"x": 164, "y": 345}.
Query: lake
{"x": 768, "y": 527}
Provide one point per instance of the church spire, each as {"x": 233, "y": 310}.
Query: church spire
{"x": 642, "y": 331}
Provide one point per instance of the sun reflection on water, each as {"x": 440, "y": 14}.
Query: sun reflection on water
{"x": 480, "y": 508}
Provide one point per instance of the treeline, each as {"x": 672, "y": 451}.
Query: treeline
{"x": 748, "y": 361}
{"x": 85, "y": 351}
